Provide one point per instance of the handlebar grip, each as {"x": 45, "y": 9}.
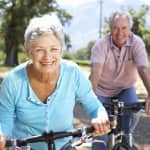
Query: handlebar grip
{"x": 135, "y": 106}
{"x": 89, "y": 129}
{"x": 8, "y": 143}
{"x": 81, "y": 131}
{"x": 15, "y": 142}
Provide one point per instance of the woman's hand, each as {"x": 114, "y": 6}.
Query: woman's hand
{"x": 2, "y": 142}
{"x": 101, "y": 124}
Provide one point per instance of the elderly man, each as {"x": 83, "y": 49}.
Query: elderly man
{"x": 116, "y": 58}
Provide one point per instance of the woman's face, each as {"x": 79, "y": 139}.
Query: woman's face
{"x": 45, "y": 53}
{"x": 120, "y": 30}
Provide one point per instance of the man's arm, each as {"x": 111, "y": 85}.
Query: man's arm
{"x": 145, "y": 76}
{"x": 96, "y": 70}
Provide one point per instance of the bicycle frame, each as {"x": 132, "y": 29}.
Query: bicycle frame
{"x": 116, "y": 111}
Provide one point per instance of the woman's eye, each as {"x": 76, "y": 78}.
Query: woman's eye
{"x": 53, "y": 49}
{"x": 39, "y": 50}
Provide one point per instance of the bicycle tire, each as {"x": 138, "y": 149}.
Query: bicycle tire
{"x": 121, "y": 146}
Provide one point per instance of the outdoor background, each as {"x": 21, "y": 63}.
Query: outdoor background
{"x": 84, "y": 22}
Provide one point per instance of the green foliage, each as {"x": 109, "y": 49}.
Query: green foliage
{"x": 139, "y": 26}
{"x": 23, "y": 57}
{"x": 81, "y": 54}
{"x": 146, "y": 38}
{"x": 2, "y": 57}
{"x": 106, "y": 28}
{"x": 84, "y": 53}
{"x": 15, "y": 15}
{"x": 1, "y": 44}
{"x": 68, "y": 55}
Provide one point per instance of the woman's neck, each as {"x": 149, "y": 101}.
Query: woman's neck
{"x": 41, "y": 76}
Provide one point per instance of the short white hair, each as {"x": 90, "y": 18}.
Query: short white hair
{"x": 48, "y": 23}
{"x": 121, "y": 14}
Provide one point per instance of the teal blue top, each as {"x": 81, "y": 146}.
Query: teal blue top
{"x": 22, "y": 114}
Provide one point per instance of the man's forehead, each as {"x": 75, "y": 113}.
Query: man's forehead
{"x": 120, "y": 17}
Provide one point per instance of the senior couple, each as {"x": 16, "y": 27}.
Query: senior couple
{"x": 39, "y": 95}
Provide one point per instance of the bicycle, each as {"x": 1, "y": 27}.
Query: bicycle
{"x": 116, "y": 111}
{"x": 49, "y": 138}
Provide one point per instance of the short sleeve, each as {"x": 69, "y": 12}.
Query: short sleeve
{"x": 98, "y": 51}
{"x": 139, "y": 52}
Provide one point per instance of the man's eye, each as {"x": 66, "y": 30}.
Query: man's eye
{"x": 124, "y": 28}
{"x": 114, "y": 28}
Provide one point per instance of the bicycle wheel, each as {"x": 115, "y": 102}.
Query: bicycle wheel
{"x": 121, "y": 146}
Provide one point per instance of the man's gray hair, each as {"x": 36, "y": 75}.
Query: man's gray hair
{"x": 48, "y": 23}
{"x": 121, "y": 14}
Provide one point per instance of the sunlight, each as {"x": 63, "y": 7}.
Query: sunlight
{"x": 147, "y": 2}
{"x": 120, "y": 1}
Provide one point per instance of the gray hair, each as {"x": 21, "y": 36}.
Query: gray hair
{"x": 48, "y": 23}
{"x": 120, "y": 14}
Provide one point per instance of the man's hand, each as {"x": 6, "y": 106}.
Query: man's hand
{"x": 145, "y": 76}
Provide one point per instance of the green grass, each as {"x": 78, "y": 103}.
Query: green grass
{"x": 4, "y": 68}
{"x": 83, "y": 62}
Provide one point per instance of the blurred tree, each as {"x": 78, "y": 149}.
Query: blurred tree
{"x": 140, "y": 27}
{"x": 68, "y": 55}
{"x": 15, "y": 15}
{"x": 81, "y": 54}
{"x": 68, "y": 43}
{"x": 84, "y": 53}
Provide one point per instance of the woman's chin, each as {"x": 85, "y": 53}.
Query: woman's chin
{"x": 48, "y": 70}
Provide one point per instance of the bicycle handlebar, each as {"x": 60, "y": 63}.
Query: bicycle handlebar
{"x": 133, "y": 107}
{"x": 117, "y": 108}
{"x": 46, "y": 137}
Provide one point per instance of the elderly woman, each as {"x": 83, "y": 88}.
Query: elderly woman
{"x": 39, "y": 95}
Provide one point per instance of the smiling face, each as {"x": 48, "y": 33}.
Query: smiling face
{"x": 120, "y": 30}
{"x": 45, "y": 52}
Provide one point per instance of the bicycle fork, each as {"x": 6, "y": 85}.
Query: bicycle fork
{"x": 113, "y": 139}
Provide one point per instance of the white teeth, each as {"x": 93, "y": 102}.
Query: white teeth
{"x": 47, "y": 63}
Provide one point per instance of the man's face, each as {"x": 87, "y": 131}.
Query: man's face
{"x": 120, "y": 30}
